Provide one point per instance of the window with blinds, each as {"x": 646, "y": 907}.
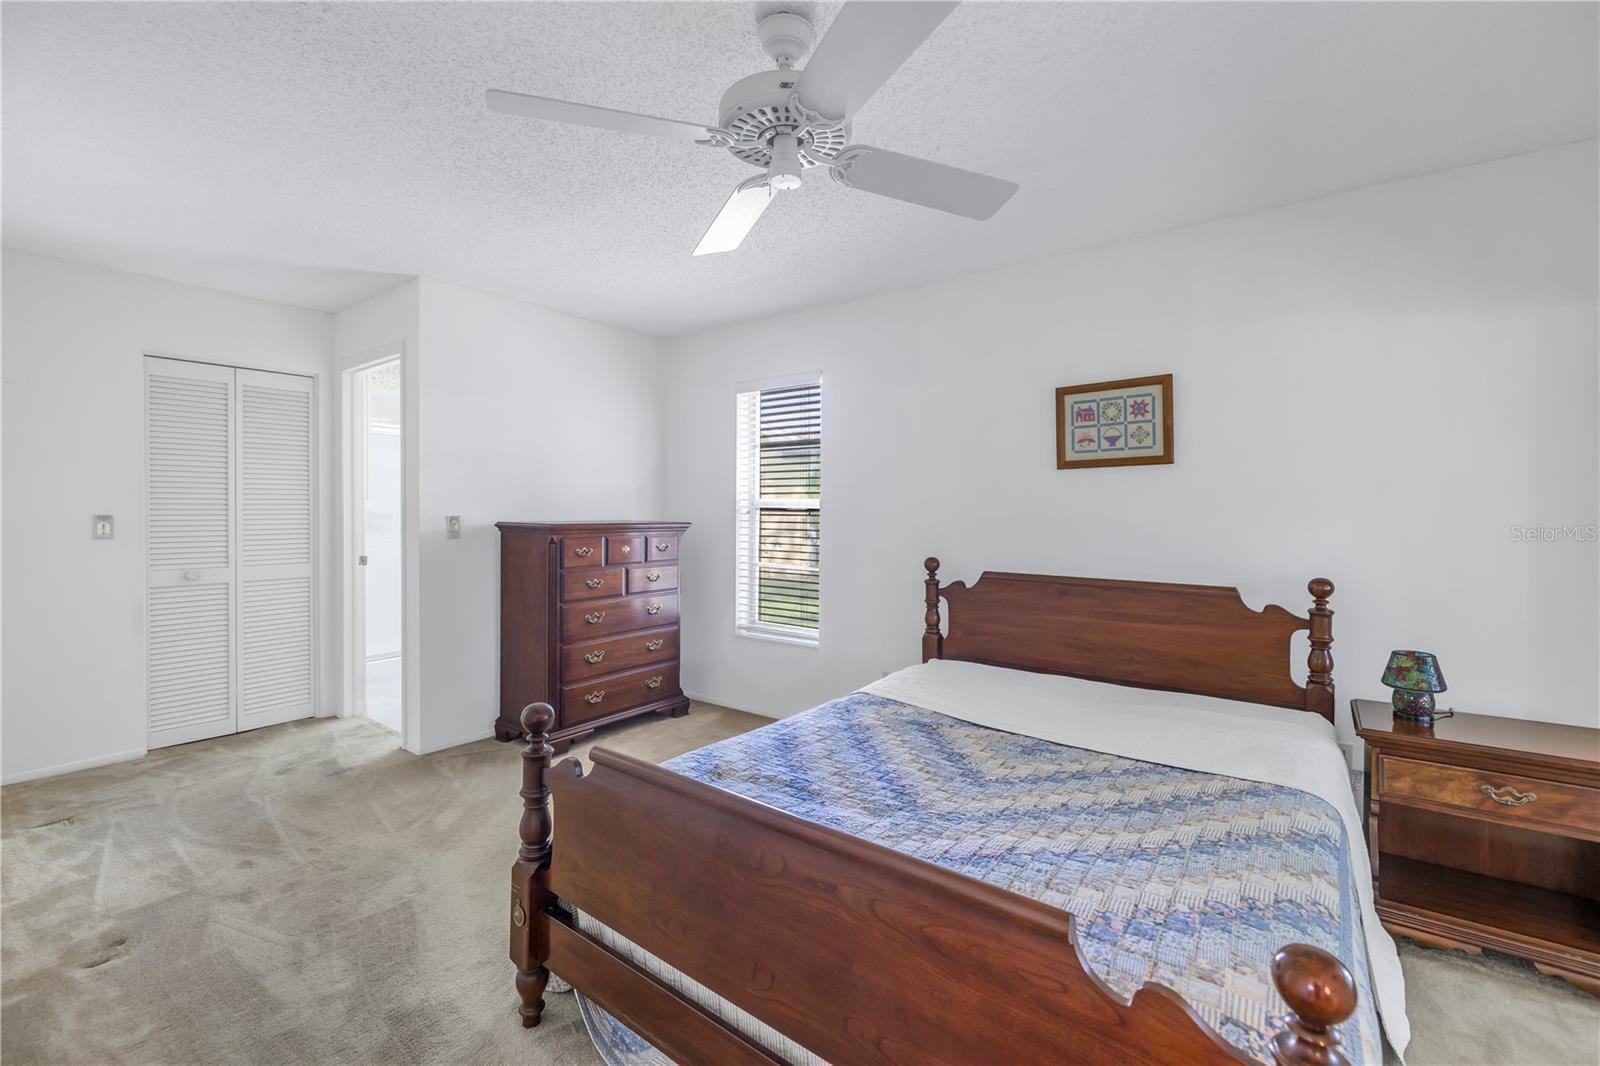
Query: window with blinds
{"x": 779, "y": 511}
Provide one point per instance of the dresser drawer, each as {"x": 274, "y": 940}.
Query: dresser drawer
{"x": 593, "y": 619}
{"x": 594, "y": 659}
{"x": 583, "y": 551}
{"x": 622, "y": 550}
{"x": 597, "y": 699}
{"x": 652, "y": 578}
{"x": 1506, "y": 796}
{"x": 661, "y": 548}
{"x": 592, "y": 583}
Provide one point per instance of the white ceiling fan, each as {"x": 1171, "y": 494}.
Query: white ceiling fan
{"x": 786, "y": 121}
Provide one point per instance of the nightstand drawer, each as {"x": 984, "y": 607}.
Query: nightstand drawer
{"x": 1506, "y": 796}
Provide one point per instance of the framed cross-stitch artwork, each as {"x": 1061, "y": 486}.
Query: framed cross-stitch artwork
{"x": 1114, "y": 423}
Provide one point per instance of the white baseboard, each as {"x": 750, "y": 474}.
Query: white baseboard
{"x": 718, "y": 703}
{"x": 71, "y": 767}
{"x": 473, "y": 739}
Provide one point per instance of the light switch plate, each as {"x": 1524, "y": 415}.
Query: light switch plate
{"x": 452, "y": 526}
{"x": 103, "y": 527}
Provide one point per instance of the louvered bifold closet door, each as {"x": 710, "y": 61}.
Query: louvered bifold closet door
{"x": 189, "y": 458}
{"x": 275, "y": 548}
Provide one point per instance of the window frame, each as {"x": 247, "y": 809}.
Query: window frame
{"x": 748, "y": 505}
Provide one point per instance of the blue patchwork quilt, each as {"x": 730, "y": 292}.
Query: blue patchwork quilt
{"x": 1185, "y": 878}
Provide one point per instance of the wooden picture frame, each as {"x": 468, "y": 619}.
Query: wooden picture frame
{"x": 1136, "y": 429}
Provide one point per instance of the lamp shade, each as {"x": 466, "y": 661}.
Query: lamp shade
{"x": 1414, "y": 671}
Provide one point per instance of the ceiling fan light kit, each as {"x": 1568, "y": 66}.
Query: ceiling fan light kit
{"x": 786, "y": 121}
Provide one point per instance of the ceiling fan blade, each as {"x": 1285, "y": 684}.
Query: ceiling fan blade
{"x": 868, "y": 41}
{"x": 918, "y": 181}
{"x": 737, "y": 217}
{"x": 588, "y": 115}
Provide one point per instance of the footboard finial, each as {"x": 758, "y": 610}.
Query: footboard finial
{"x": 528, "y": 896}
{"x": 1321, "y": 994}
{"x": 1319, "y": 680}
{"x": 931, "y": 640}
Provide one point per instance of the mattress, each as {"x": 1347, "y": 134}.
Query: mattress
{"x": 1177, "y": 875}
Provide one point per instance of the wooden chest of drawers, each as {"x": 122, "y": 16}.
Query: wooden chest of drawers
{"x": 588, "y": 623}
{"x": 1485, "y": 833}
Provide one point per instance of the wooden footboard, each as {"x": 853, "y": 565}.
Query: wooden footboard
{"x": 856, "y": 952}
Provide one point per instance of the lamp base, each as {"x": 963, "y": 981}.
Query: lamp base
{"x": 1413, "y": 706}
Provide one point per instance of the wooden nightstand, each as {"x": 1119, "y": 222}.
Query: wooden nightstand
{"x": 1485, "y": 833}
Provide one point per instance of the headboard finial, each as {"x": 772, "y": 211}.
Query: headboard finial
{"x": 1319, "y": 676}
{"x": 932, "y": 640}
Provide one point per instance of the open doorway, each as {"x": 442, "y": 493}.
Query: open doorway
{"x": 376, "y": 515}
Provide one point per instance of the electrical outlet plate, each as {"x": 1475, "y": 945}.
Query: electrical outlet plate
{"x": 104, "y": 528}
{"x": 452, "y": 526}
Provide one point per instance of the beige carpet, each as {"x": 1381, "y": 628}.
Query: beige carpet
{"x": 308, "y": 893}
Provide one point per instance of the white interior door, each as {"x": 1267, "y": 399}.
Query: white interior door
{"x": 275, "y": 513}
{"x": 189, "y": 457}
{"x": 230, "y": 486}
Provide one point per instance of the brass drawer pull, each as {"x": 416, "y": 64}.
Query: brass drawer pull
{"x": 594, "y": 618}
{"x": 654, "y": 575}
{"x": 596, "y": 696}
{"x": 654, "y": 608}
{"x": 662, "y": 545}
{"x": 593, "y": 656}
{"x": 654, "y": 645}
{"x": 1507, "y": 795}
{"x": 595, "y": 582}
{"x": 583, "y": 552}
{"x": 625, "y": 549}
{"x": 654, "y": 682}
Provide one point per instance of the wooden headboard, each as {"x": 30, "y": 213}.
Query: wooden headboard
{"x": 1200, "y": 639}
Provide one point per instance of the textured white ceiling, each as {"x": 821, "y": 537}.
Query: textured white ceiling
{"x": 313, "y": 153}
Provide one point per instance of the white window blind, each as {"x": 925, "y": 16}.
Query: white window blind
{"x": 779, "y": 511}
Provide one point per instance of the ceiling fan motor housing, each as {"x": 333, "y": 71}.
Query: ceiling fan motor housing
{"x": 762, "y": 106}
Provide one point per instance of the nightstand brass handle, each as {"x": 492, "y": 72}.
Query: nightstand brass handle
{"x": 654, "y": 608}
{"x": 583, "y": 552}
{"x": 594, "y": 618}
{"x": 595, "y": 582}
{"x": 654, "y": 575}
{"x": 593, "y": 656}
{"x": 662, "y": 545}
{"x": 1507, "y": 795}
{"x": 654, "y": 682}
{"x": 654, "y": 645}
{"x": 596, "y": 696}
{"x": 626, "y": 549}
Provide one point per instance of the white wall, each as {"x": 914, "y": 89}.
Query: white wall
{"x": 75, "y": 338}
{"x": 1372, "y": 387}
{"x": 525, "y": 415}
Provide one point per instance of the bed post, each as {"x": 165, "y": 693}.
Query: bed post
{"x": 530, "y": 945}
{"x": 932, "y": 642}
{"x": 1319, "y": 681}
{"x": 1320, "y": 994}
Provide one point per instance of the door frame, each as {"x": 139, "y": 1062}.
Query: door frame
{"x": 352, "y": 509}
{"x": 317, "y": 540}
